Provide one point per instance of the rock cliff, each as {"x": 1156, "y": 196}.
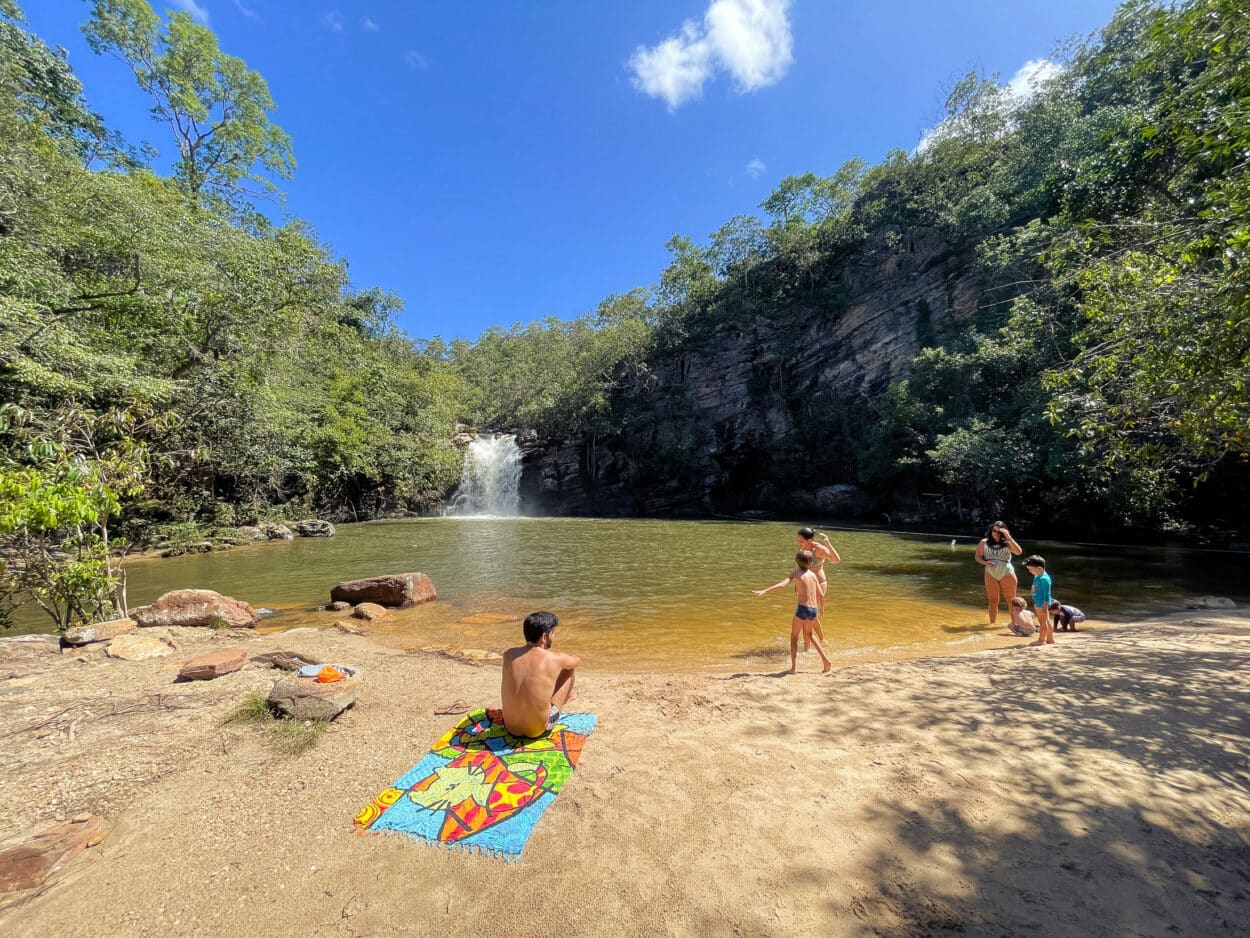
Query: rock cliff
{"x": 764, "y": 411}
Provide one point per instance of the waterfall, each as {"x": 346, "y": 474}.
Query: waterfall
{"x": 490, "y": 482}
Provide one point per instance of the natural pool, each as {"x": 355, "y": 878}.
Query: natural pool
{"x": 676, "y": 595}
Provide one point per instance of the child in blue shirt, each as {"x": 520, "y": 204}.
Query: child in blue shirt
{"x": 1036, "y": 565}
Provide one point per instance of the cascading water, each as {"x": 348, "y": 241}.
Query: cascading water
{"x": 490, "y": 482}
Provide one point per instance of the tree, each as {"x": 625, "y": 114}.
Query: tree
{"x": 215, "y": 106}
{"x": 57, "y": 505}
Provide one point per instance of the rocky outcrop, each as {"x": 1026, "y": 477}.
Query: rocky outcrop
{"x": 398, "y": 591}
{"x": 313, "y": 527}
{"x": 305, "y": 698}
{"x": 99, "y": 632}
{"x": 213, "y": 665}
{"x": 136, "y": 647}
{"x": 29, "y": 646}
{"x": 286, "y": 660}
{"x": 277, "y": 532}
{"x": 727, "y": 423}
{"x": 25, "y": 866}
{"x": 197, "y": 608}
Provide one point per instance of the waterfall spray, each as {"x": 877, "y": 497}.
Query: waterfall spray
{"x": 490, "y": 482}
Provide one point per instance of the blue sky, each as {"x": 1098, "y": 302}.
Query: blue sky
{"x": 495, "y": 163}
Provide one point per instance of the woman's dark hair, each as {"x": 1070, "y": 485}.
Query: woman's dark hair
{"x": 538, "y": 624}
{"x": 806, "y": 533}
{"x": 989, "y": 534}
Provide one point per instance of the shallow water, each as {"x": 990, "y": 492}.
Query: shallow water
{"x": 676, "y": 595}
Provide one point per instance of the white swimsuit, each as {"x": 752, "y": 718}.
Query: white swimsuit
{"x": 1001, "y": 557}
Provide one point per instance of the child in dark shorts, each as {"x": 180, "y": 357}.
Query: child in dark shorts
{"x": 807, "y": 613}
{"x": 1065, "y": 617}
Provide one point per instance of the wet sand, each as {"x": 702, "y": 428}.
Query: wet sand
{"x": 1097, "y": 787}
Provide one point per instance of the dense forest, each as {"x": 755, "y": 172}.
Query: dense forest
{"x": 178, "y": 357}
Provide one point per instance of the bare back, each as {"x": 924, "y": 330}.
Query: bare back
{"x": 806, "y": 587}
{"x": 529, "y": 680}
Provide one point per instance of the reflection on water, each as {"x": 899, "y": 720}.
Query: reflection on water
{"x": 676, "y": 595}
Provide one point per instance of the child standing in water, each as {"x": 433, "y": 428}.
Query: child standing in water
{"x": 807, "y": 613}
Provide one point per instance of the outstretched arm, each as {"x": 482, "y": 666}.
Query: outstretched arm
{"x": 775, "y": 586}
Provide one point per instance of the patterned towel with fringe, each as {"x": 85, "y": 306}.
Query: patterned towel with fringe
{"x": 481, "y": 788}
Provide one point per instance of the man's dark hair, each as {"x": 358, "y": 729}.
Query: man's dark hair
{"x": 1036, "y": 560}
{"x": 538, "y": 624}
{"x": 806, "y": 533}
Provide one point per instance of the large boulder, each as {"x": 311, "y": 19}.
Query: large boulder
{"x": 99, "y": 631}
{"x": 314, "y": 528}
{"x": 197, "y": 608}
{"x": 214, "y": 664}
{"x": 305, "y": 698}
{"x": 135, "y": 647}
{"x": 399, "y": 590}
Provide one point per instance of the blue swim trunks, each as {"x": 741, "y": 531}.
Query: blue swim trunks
{"x": 806, "y": 612}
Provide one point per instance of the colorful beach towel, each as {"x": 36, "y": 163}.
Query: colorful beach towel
{"x": 481, "y": 788}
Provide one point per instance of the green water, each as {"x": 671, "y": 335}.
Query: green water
{"x": 676, "y": 595}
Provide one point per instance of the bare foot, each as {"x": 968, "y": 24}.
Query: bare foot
{"x": 807, "y": 647}
{"x": 825, "y": 669}
{"x": 1036, "y": 643}
{"x": 792, "y": 671}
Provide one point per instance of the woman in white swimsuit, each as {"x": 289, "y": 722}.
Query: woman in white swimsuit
{"x": 822, "y": 552}
{"x": 994, "y": 553}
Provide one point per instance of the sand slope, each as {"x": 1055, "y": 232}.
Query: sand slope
{"x": 1099, "y": 787}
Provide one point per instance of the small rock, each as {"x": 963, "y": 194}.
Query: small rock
{"x": 337, "y": 606}
{"x": 99, "y": 632}
{"x": 251, "y": 533}
{"x": 136, "y": 647}
{"x": 477, "y": 654}
{"x": 307, "y": 699}
{"x": 369, "y": 612}
{"x": 313, "y": 527}
{"x": 235, "y": 635}
{"x": 264, "y": 611}
{"x": 1212, "y": 602}
{"x": 348, "y": 627}
{"x": 286, "y": 660}
{"x": 214, "y": 664}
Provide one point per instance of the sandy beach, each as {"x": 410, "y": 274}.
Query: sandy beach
{"x": 1098, "y": 787}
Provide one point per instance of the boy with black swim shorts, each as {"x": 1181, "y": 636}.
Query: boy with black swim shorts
{"x": 807, "y": 613}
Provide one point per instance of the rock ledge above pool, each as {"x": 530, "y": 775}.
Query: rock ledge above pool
{"x": 398, "y": 590}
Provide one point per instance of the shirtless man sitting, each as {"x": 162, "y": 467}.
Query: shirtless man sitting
{"x": 537, "y": 682}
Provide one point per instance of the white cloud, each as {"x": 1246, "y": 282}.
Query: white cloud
{"x": 748, "y": 39}
{"x": 415, "y": 59}
{"x": 369, "y": 25}
{"x": 198, "y": 13}
{"x": 247, "y": 11}
{"x": 333, "y": 21}
{"x": 1033, "y": 74}
{"x": 756, "y": 168}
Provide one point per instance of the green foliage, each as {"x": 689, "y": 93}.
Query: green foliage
{"x": 216, "y": 107}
